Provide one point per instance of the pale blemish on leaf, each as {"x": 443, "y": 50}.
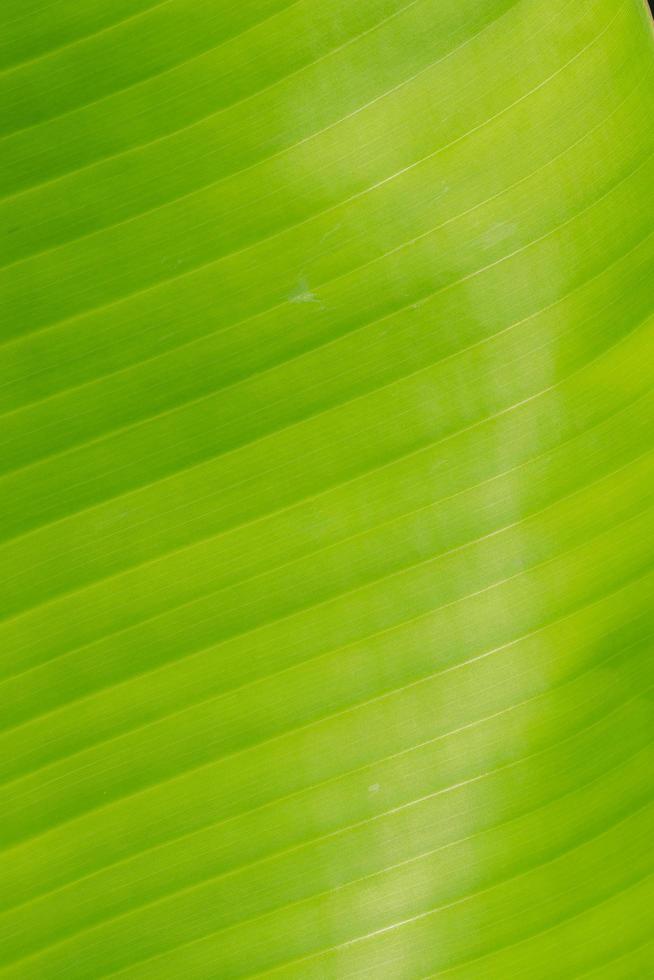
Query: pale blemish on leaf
{"x": 302, "y": 293}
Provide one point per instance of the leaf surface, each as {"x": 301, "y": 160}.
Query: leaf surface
{"x": 327, "y": 489}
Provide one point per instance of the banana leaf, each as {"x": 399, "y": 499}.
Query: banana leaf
{"x": 327, "y": 490}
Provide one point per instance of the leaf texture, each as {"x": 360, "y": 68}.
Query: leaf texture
{"x": 327, "y": 489}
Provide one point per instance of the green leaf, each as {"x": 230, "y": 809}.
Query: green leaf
{"x": 327, "y": 489}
